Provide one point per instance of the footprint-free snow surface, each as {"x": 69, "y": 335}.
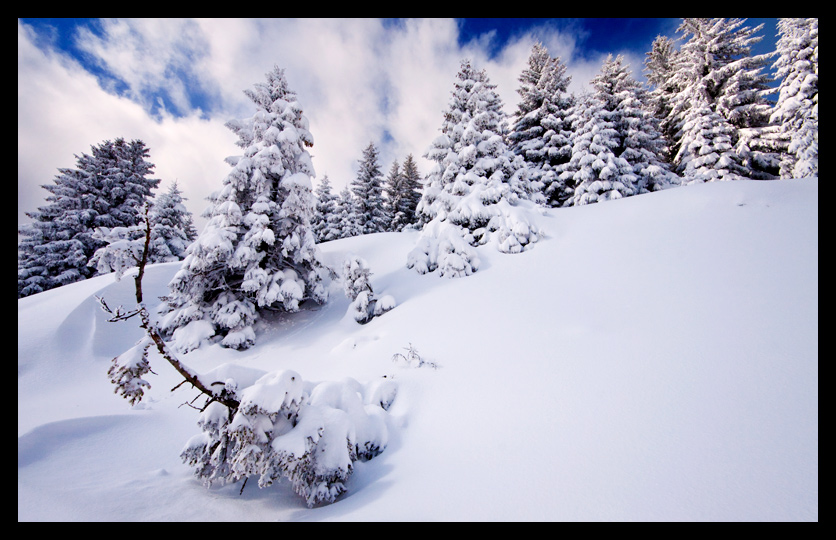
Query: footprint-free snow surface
{"x": 650, "y": 358}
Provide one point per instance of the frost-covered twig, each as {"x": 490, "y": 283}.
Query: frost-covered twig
{"x": 412, "y": 358}
{"x": 126, "y": 369}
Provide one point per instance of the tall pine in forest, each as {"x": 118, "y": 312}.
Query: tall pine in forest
{"x": 107, "y": 188}
{"x": 541, "y": 129}
{"x": 660, "y": 65}
{"x": 595, "y": 171}
{"x": 720, "y": 89}
{"x": 410, "y": 191}
{"x": 325, "y": 216}
{"x": 345, "y": 224}
{"x": 392, "y": 196}
{"x": 402, "y": 190}
{"x": 797, "y": 110}
{"x": 367, "y": 188}
{"x": 257, "y": 250}
{"x": 640, "y": 142}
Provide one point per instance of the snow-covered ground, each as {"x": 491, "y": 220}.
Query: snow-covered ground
{"x": 651, "y": 358}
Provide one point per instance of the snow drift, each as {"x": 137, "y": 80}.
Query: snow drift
{"x": 650, "y": 358}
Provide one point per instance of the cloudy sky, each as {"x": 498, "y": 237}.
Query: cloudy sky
{"x": 174, "y": 83}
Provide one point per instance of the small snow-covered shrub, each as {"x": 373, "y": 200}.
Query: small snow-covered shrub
{"x": 511, "y": 228}
{"x": 309, "y": 434}
{"x": 445, "y": 248}
{"x": 364, "y": 306}
{"x": 412, "y": 358}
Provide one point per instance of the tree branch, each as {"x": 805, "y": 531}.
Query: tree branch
{"x": 225, "y": 397}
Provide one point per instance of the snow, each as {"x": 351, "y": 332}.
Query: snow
{"x": 652, "y": 358}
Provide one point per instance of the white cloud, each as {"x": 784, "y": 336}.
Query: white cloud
{"x": 62, "y": 112}
{"x": 358, "y": 80}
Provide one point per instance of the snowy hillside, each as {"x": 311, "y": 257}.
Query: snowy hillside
{"x": 650, "y": 358}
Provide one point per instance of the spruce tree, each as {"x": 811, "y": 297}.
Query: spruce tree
{"x": 721, "y": 90}
{"x": 172, "y": 228}
{"x": 322, "y": 223}
{"x": 257, "y": 250}
{"x": 541, "y": 129}
{"x": 345, "y": 223}
{"x": 106, "y": 189}
{"x": 595, "y": 171}
{"x": 402, "y": 192}
{"x": 660, "y": 67}
{"x": 410, "y": 191}
{"x": 474, "y": 168}
{"x": 475, "y": 191}
{"x": 392, "y": 197}
{"x": 797, "y": 111}
{"x": 639, "y": 141}
{"x": 367, "y": 188}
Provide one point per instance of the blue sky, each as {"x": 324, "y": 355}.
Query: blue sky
{"x": 174, "y": 83}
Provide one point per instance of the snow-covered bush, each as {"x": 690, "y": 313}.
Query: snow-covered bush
{"x": 309, "y": 434}
{"x": 446, "y": 248}
{"x": 364, "y": 306}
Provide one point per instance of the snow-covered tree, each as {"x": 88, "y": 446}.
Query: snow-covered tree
{"x": 106, "y": 189}
{"x": 357, "y": 286}
{"x": 797, "y": 110}
{"x": 402, "y": 190}
{"x": 541, "y": 129}
{"x": 367, "y": 188}
{"x": 477, "y": 187}
{"x": 410, "y": 191}
{"x": 660, "y": 66}
{"x": 270, "y": 425}
{"x": 169, "y": 234}
{"x": 324, "y": 220}
{"x": 721, "y": 89}
{"x": 595, "y": 171}
{"x": 392, "y": 197}
{"x": 639, "y": 141}
{"x": 345, "y": 223}
{"x": 172, "y": 227}
{"x": 257, "y": 250}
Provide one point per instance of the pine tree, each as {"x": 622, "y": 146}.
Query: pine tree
{"x": 402, "y": 191}
{"x": 410, "y": 192}
{"x": 257, "y": 250}
{"x": 721, "y": 90}
{"x": 345, "y": 223}
{"x": 368, "y": 194}
{"x": 639, "y": 141}
{"x": 474, "y": 191}
{"x": 322, "y": 223}
{"x": 595, "y": 171}
{"x": 541, "y": 130}
{"x": 797, "y": 110}
{"x": 660, "y": 67}
{"x": 392, "y": 197}
{"x": 106, "y": 189}
{"x": 172, "y": 228}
